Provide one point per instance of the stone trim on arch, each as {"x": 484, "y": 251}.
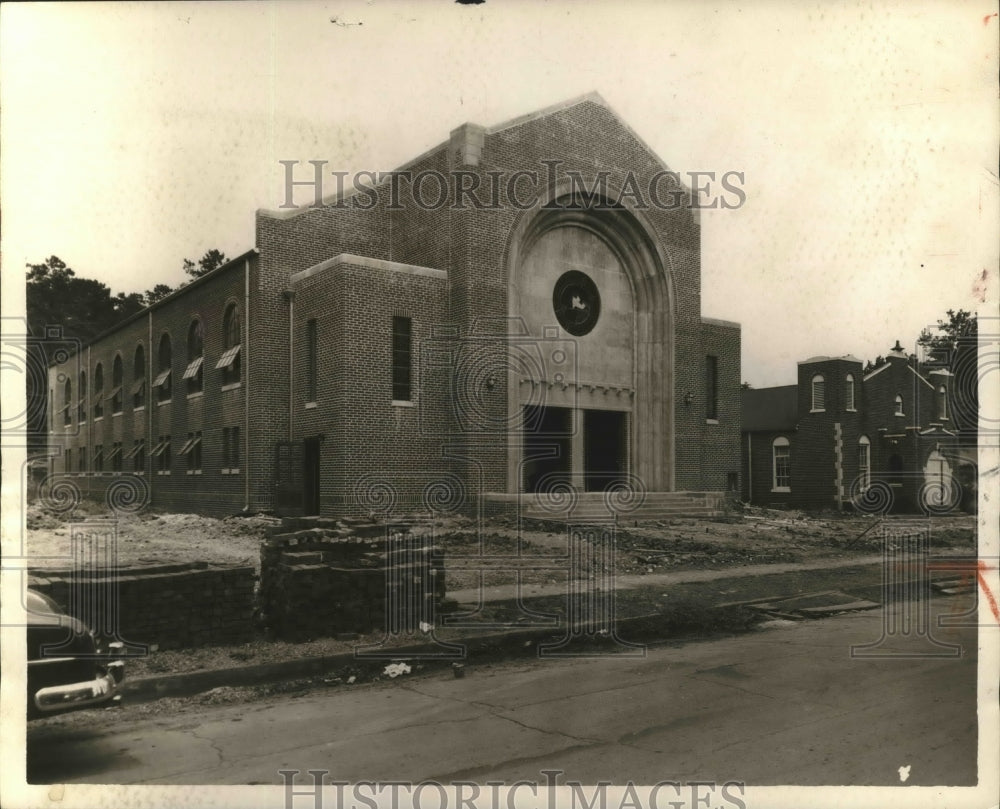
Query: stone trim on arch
{"x": 649, "y": 272}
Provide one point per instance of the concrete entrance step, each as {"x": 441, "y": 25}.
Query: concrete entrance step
{"x": 600, "y": 507}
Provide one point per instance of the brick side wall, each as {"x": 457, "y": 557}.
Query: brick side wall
{"x": 367, "y": 437}
{"x": 211, "y": 492}
{"x": 719, "y": 441}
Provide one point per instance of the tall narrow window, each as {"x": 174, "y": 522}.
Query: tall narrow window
{"x": 67, "y": 408}
{"x": 139, "y": 378}
{"x": 116, "y": 385}
{"x": 138, "y": 455}
{"x": 98, "y": 392}
{"x": 195, "y": 357}
{"x": 230, "y": 450}
{"x": 899, "y": 404}
{"x": 229, "y": 362}
{"x": 192, "y": 451}
{"x": 99, "y": 458}
{"x": 83, "y": 459}
{"x": 116, "y": 456}
{"x": 864, "y": 462}
{"x": 711, "y": 387}
{"x": 942, "y": 394}
{"x": 849, "y": 392}
{"x": 782, "y": 481}
{"x": 312, "y": 348}
{"x": 164, "y": 365}
{"x": 401, "y": 356}
{"x": 68, "y": 459}
{"x": 162, "y": 454}
{"x": 81, "y": 410}
{"x": 818, "y": 394}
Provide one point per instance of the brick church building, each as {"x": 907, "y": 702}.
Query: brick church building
{"x": 876, "y": 442}
{"x": 506, "y": 322}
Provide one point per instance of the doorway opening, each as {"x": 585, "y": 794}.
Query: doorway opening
{"x": 605, "y": 448}
{"x": 547, "y": 438}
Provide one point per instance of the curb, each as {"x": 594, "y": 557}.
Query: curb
{"x": 657, "y": 626}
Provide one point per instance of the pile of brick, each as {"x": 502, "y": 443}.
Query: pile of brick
{"x": 324, "y": 577}
{"x": 164, "y": 606}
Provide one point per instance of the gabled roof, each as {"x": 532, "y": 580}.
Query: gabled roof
{"x": 592, "y": 97}
{"x": 770, "y": 409}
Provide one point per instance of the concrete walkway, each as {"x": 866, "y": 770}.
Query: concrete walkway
{"x": 508, "y": 592}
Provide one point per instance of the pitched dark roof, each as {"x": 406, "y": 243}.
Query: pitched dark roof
{"x": 770, "y": 409}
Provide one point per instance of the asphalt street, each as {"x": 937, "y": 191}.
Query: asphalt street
{"x": 784, "y": 705}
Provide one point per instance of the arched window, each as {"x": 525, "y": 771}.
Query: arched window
{"x": 864, "y": 462}
{"x": 139, "y": 377}
{"x": 116, "y": 385}
{"x": 229, "y": 362}
{"x": 195, "y": 356}
{"x": 942, "y": 394}
{"x": 99, "y": 391}
{"x": 899, "y": 404}
{"x": 818, "y": 394}
{"x": 68, "y": 402}
{"x": 81, "y": 408}
{"x": 849, "y": 392}
{"x": 164, "y": 360}
{"x": 782, "y": 478}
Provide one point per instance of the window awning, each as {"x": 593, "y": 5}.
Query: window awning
{"x": 139, "y": 385}
{"x": 190, "y": 444}
{"x": 98, "y": 397}
{"x": 192, "y": 370}
{"x": 159, "y": 448}
{"x": 115, "y": 452}
{"x": 228, "y": 357}
{"x": 98, "y": 454}
{"x": 114, "y": 392}
{"x": 136, "y": 449}
{"x": 163, "y": 377}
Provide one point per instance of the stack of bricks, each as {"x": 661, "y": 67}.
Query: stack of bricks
{"x": 337, "y": 577}
{"x": 167, "y": 606}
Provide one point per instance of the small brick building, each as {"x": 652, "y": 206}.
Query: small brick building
{"x": 507, "y": 317}
{"x": 877, "y": 442}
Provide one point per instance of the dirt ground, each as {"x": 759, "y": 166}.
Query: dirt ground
{"x": 749, "y": 537}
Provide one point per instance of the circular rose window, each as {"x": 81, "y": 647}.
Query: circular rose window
{"x": 576, "y": 302}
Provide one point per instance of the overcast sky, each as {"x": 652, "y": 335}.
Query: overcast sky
{"x": 135, "y": 135}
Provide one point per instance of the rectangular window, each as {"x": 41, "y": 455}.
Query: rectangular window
{"x": 401, "y": 345}
{"x": 311, "y": 352}
{"x": 782, "y": 465}
{"x": 116, "y": 457}
{"x": 711, "y": 387}
{"x": 162, "y": 454}
{"x": 192, "y": 451}
{"x": 864, "y": 466}
{"x": 138, "y": 455}
{"x": 99, "y": 458}
{"x": 69, "y": 460}
{"x": 231, "y": 450}
{"x": 82, "y": 459}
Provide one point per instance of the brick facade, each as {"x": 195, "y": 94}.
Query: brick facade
{"x": 896, "y": 415}
{"x": 458, "y": 272}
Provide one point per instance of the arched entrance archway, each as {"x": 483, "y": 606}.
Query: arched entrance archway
{"x": 623, "y": 383}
